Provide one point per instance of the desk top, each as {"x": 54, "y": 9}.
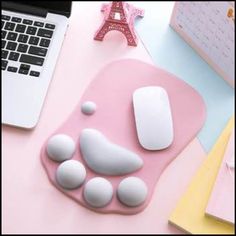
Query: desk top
{"x": 30, "y": 203}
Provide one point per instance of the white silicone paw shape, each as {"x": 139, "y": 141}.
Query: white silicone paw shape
{"x": 88, "y": 108}
{"x": 132, "y": 191}
{"x": 60, "y": 147}
{"x": 98, "y": 192}
{"x": 105, "y": 157}
{"x": 70, "y": 174}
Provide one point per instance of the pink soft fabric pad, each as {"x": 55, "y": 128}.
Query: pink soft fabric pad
{"x": 112, "y": 90}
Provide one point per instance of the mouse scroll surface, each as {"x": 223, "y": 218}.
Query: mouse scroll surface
{"x": 153, "y": 117}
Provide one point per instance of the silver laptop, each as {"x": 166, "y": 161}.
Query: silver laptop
{"x": 32, "y": 36}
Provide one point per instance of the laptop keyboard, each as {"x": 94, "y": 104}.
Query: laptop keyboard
{"x": 26, "y": 42}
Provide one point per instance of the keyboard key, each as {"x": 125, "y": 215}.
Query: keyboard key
{"x": 11, "y": 46}
{"x": 31, "y": 30}
{"x": 44, "y": 42}
{"x": 16, "y": 19}
{"x": 12, "y": 36}
{"x": 20, "y": 28}
{"x": 4, "y": 64}
{"x": 4, "y": 43}
{"x": 37, "y": 51}
{"x": 34, "y": 73}
{"x": 24, "y": 69}
{"x": 22, "y": 47}
{"x": 33, "y": 40}
{"x": 4, "y": 17}
{"x": 32, "y": 60}
{"x": 45, "y": 33}
{"x": 23, "y": 38}
{"x": 13, "y": 56}
{"x": 4, "y": 54}
{"x": 50, "y": 26}
{"x": 9, "y": 26}
{"x": 12, "y": 69}
{"x": 3, "y": 34}
{"x": 37, "y": 23}
{"x": 24, "y": 66}
{"x": 2, "y": 23}
{"x": 27, "y": 22}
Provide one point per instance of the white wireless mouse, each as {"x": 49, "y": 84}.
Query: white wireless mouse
{"x": 153, "y": 117}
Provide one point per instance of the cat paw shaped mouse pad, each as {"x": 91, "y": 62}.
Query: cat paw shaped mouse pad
{"x": 130, "y": 123}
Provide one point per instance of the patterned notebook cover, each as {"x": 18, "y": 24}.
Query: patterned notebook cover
{"x": 208, "y": 27}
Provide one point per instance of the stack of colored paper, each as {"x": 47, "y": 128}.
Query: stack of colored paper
{"x": 221, "y": 203}
{"x": 189, "y": 214}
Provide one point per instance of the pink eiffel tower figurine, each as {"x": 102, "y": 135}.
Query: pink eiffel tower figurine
{"x": 119, "y": 16}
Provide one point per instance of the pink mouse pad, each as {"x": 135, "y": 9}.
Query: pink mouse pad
{"x": 112, "y": 90}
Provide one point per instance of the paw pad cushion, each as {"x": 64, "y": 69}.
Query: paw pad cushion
{"x": 107, "y": 158}
{"x": 132, "y": 191}
{"x": 98, "y": 192}
{"x": 70, "y": 174}
{"x": 60, "y": 147}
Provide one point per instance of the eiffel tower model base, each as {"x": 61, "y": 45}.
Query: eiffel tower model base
{"x": 119, "y": 16}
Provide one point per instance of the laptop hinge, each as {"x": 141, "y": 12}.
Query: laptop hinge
{"x": 23, "y": 8}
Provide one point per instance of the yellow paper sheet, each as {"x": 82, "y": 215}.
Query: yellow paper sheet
{"x": 189, "y": 214}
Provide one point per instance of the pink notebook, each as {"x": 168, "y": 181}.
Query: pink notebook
{"x": 221, "y": 203}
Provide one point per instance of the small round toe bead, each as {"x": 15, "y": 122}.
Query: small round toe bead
{"x": 88, "y": 108}
{"x": 60, "y": 147}
{"x": 70, "y": 174}
{"x": 132, "y": 191}
{"x": 98, "y": 192}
